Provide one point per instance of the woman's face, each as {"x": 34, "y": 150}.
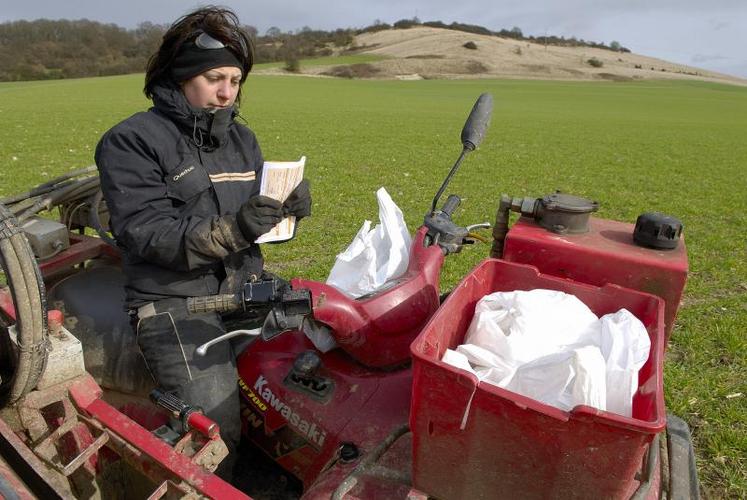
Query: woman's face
{"x": 214, "y": 89}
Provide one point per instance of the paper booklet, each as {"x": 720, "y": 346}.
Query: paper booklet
{"x": 279, "y": 179}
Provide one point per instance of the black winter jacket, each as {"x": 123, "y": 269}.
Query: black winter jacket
{"x": 173, "y": 179}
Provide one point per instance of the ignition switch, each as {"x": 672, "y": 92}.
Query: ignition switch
{"x": 306, "y": 364}
{"x": 304, "y": 377}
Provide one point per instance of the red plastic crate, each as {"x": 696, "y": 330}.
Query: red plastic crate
{"x": 513, "y": 446}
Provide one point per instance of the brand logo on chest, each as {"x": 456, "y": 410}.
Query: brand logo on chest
{"x": 183, "y": 173}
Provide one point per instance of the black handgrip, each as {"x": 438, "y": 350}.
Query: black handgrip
{"x": 213, "y": 303}
{"x": 168, "y": 401}
{"x": 477, "y": 122}
{"x": 452, "y": 202}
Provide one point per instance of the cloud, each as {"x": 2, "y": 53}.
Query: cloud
{"x": 718, "y": 24}
{"x": 704, "y": 58}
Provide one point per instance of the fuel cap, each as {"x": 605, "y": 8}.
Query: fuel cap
{"x": 562, "y": 202}
{"x": 565, "y": 214}
{"x": 657, "y": 230}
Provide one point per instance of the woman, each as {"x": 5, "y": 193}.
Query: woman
{"x": 181, "y": 182}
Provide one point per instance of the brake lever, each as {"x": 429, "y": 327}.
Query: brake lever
{"x": 202, "y": 350}
{"x": 472, "y": 235}
{"x": 481, "y": 225}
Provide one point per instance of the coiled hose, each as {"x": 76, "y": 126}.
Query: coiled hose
{"x": 94, "y": 218}
{"x": 29, "y": 297}
{"x": 70, "y": 192}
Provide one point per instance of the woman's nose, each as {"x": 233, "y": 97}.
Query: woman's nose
{"x": 224, "y": 90}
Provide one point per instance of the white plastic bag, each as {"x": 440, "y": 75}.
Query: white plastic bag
{"x": 625, "y": 345}
{"x": 549, "y": 346}
{"x": 457, "y": 359}
{"x": 522, "y": 326}
{"x": 374, "y": 256}
{"x": 564, "y": 379}
{"x": 488, "y": 365}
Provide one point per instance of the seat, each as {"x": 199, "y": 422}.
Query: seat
{"x": 93, "y": 303}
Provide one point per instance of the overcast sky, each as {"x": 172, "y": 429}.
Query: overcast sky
{"x": 710, "y": 34}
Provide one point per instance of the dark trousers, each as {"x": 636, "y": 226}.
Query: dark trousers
{"x": 168, "y": 339}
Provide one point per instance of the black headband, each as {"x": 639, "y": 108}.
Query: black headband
{"x": 193, "y": 60}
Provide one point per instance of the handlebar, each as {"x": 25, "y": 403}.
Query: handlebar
{"x": 192, "y": 417}
{"x": 214, "y": 303}
{"x": 270, "y": 300}
{"x": 255, "y": 295}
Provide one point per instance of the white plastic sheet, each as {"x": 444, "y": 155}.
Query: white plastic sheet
{"x": 550, "y": 346}
{"x": 625, "y": 346}
{"x": 375, "y": 255}
{"x": 522, "y": 326}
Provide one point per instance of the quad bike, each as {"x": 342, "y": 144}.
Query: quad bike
{"x": 344, "y": 398}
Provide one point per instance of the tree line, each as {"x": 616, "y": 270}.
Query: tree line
{"x": 52, "y": 49}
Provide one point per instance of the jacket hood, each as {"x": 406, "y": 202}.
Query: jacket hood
{"x": 207, "y": 129}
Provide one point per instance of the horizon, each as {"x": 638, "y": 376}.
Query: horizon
{"x": 687, "y": 32}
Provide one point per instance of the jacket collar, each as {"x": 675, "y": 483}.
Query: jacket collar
{"x": 207, "y": 129}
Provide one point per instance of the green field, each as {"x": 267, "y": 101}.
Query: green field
{"x": 675, "y": 147}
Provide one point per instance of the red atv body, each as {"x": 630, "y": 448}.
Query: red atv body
{"x": 313, "y": 423}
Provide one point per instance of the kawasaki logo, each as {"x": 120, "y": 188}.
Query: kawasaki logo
{"x": 308, "y": 429}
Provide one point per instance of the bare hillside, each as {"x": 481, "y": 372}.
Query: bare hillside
{"x": 424, "y": 52}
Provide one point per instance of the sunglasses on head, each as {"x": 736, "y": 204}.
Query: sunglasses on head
{"x": 207, "y": 42}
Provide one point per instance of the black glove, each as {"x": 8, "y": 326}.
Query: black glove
{"x": 298, "y": 202}
{"x": 258, "y": 215}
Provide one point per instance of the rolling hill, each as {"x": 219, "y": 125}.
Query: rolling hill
{"x": 428, "y": 53}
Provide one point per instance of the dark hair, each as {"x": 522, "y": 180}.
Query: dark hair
{"x": 218, "y": 22}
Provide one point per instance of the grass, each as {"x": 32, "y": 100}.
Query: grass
{"x": 675, "y": 147}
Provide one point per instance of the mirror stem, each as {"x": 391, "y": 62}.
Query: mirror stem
{"x": 448, "y": 177}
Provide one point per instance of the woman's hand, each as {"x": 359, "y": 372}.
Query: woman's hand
{"x": 298, "y": 202}
{"x": 258, "y": 215}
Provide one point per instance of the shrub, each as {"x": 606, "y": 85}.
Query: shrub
{"x": 615, "y": 78}
{"x": 341, "y": 38}
{"x": 353, "y": 71}
{"x": 476, "y": 67}
{"x": 435, "y": 24}
{"x": 470, "y": 28}
{"x": 292, "y": 65}
{"x": 470, "y": 45}
{"x": 594, "y": 62}
{"x": 403, "y": 24}
{"x": 517, "y": 50}
{"x": 375, "y": 27}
